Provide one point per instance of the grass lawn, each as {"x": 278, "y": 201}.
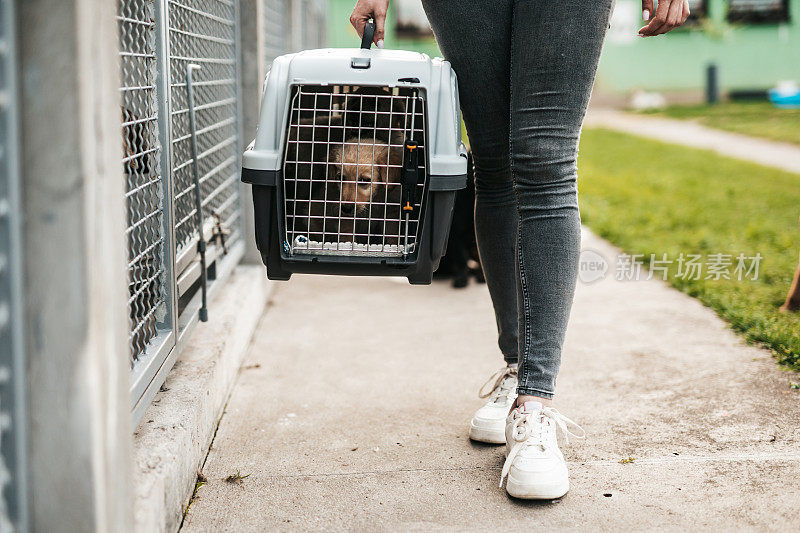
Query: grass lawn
{"x": 649, "y": 197}
{"x": 759, "y": 119}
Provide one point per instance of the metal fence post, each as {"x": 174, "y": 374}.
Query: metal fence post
{"x": 251, "y": 39}
{"x": 241, "y": 141}
{"x": 144, "y": 49}
{"x": 165, "y": 137}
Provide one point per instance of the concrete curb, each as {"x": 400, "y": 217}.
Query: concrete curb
{"x": 173, "y": 439}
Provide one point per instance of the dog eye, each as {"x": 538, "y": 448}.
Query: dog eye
{"x": 364, "y": 179}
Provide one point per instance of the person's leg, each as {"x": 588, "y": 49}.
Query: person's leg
{"x": 555, "y": 48}
{"x": 475, "y": 37}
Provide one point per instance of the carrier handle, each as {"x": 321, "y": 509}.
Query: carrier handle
{"x": 369, "y": 34}
{"x": 409, "y": 175}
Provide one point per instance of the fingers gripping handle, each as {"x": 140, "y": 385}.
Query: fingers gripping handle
{"x": 369, "y": 35}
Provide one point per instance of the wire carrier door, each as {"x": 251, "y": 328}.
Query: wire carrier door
{"x": 345, "y": 189}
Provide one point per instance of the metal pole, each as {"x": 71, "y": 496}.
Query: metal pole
{"x": 712, "y": 85}
{"x": 201, "y": 243}
{"x": 164, "y": 100}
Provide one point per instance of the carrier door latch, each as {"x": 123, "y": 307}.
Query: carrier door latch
{"x": 409, "y": 177}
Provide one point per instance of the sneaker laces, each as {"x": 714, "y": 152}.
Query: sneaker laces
{"x": 528, "y": 430}
{"x": 500, "y": 384}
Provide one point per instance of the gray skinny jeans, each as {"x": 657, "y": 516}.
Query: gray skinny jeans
{"x": 525, "y": 72}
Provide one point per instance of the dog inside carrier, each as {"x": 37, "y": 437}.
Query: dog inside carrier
{"x": 354, "y": 170}
{"x": 344, "y": 180}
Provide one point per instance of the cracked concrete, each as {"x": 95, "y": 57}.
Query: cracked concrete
{"x": 352, "y": 409}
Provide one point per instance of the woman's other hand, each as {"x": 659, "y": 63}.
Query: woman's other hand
{"x": 667, "y": 16}
{"x": 366, "y": 9}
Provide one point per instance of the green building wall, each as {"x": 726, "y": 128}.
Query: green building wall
{"x": 748, "y": 56}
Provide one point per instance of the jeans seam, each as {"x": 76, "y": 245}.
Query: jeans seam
{"x": 522, "y": 358}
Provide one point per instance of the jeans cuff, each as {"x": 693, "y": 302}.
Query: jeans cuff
{"x": 527, "y": 391}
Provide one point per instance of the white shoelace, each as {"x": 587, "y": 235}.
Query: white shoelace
{"x": 502, "y": 386}
{"x": 529, "y": 431}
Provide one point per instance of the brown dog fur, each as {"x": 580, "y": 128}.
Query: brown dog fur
{"x": 357, "y": 196}
{"x": 362, "y": 169}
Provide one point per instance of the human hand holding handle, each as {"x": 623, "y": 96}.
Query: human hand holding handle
{"x": 367, "y": 9}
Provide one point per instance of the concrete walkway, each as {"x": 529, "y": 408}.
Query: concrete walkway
{"x": 352, "y": 408}
{"x": 685, "y": 132}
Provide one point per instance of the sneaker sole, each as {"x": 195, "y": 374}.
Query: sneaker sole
{"x": 488, "y": 436}
{"x": 549, "y": 491}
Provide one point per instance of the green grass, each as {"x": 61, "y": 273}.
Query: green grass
{"x": 759, "y": 119}
{"x": 652, "y": 198}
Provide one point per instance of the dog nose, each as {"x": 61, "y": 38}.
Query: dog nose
{"x": 348, "y": 209}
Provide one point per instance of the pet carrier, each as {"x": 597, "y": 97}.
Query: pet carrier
{"x": 356, "y": 163}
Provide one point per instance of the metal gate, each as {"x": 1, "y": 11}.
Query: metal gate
{"x": 158, "y": 40}
{"x": 205, "y": 34}
{"x": 13, "y": 508}
{"x": 145, "y": 184}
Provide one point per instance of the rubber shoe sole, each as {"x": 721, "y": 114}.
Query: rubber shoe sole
{"x": 489, "y": 436}
{"x": 540, "y": 491}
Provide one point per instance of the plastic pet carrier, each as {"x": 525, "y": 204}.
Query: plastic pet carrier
{"x": 356, "y": 163}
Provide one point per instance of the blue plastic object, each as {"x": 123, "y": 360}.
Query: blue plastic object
{"x": 783, "y": 99}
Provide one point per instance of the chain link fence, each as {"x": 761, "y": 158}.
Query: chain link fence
{"x": 142, "y": 168}
{"x": 205, "y": 33}
{"x": 159, "y": 39}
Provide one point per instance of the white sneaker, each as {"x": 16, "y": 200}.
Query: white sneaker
{"x": 489, "y": 422}
{"x": 535, "y": 467}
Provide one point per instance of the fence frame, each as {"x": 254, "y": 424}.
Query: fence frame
{"x": 179, "y": 260}
{"x": 181, "y": 268}
{"x": 159, "y": 350}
